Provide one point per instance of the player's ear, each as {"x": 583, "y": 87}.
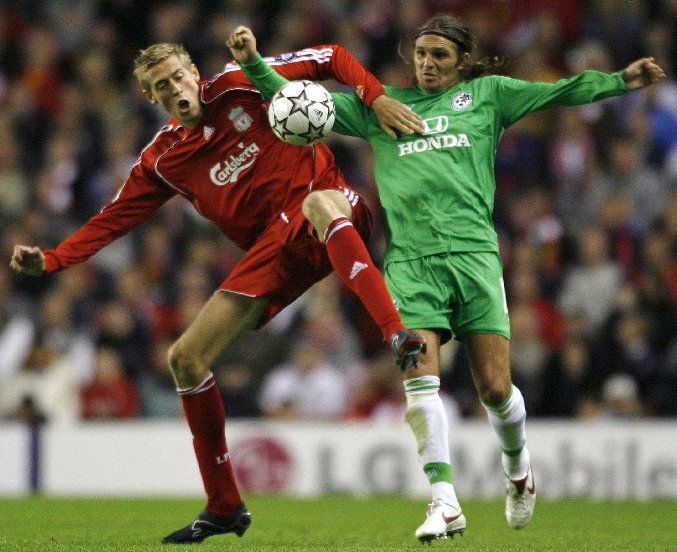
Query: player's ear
{"x": 149, "y": 96}
{"x": 465, "y": 58}
{"x": 196, "y": 73}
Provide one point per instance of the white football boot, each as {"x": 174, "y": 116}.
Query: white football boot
{"x": 520, "y": 500}
{"x": 442, "y": 520}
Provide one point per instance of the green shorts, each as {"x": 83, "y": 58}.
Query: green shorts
{"x": 453, "y": 293}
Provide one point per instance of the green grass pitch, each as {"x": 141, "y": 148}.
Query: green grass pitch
{"x": 333, "y": 523}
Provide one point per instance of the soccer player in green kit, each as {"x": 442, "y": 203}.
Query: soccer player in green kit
{"x": 442, "y": 263}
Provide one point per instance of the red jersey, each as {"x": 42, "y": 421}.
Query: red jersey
{"x": 231, "y": 166}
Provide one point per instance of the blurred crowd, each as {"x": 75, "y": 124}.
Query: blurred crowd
{"x": 586, "y": 211}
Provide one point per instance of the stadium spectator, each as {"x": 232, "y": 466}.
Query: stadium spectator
{"x": 307, "y": 387}
{"x": 591, "y": 286}
{"x": 14, "y": 196}
{"x": 524, "y": 291}
{"x": 239, "y": 389}
{"x": 17, "y": 329}
{"x": 111, "y": 395}
{"x": 42, "y": 390}
{"x": 57, "y": 329}
{"x": 566, "y": 380}
{"x": 157, "y": 391}
{"x": 614, "y": 218}
{"x": 121, "y": 328}
{"x": 629, "y": 174}
{"x": 621, "y": 397}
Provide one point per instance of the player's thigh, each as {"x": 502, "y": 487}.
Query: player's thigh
{"x": 489, "y": 358}
{"x": 223, "y": 318}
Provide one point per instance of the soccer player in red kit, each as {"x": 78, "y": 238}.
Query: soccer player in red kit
{"x": 288, "y": 207}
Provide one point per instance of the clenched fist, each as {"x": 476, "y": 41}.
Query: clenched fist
{"x": 28, "y": 260}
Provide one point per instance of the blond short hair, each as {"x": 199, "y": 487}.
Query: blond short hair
{"x": 153, "y": 55}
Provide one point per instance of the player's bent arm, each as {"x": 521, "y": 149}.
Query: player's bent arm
{"x": 326, "y": 61}
{"x": 352, "y": 114}
{"x": 349, "y": 109}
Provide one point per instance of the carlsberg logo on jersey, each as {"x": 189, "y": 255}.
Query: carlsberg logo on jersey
{"x": 228, "y": 171}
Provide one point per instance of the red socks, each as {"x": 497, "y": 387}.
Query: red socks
{"x": 354, "y": 267}
{"x": 207, "y": 421}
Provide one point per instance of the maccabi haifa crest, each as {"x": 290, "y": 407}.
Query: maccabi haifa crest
{"x": 461, "y": 101}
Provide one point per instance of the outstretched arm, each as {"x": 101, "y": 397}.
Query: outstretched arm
{"x": 134, "y": 203}
{"x": 516, "y": 98}
{"x": 392, "y": 116}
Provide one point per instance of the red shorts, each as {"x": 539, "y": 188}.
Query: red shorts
{"x": 287, "y": 259}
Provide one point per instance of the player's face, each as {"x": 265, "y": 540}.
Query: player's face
{"x": 436, "y": 62}
{"x": 176, "y": 88}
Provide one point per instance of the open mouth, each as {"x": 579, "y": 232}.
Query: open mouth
{"x": 184, "y": 105}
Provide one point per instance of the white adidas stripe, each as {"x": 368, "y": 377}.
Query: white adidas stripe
{"x": 207, "y": 383}
{"x": 321, "y": 56}
{"x": 336, "y": 229}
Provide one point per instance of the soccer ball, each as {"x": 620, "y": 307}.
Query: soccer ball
{"x": 301, "y": 113}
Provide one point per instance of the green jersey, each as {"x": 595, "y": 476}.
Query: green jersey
{"x": 437, "y": 188}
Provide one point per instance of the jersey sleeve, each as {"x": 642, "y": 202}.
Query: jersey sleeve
{"x": 516, "y": 98}
{"x": 141, "y": 195}
{"x": 263, "y": 77}
{"x": 326, "y": 62}
{"x": 352, "y": 116}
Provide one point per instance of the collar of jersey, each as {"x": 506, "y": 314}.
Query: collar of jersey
{"x": 418, "y": 90}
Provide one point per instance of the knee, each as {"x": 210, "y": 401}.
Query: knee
{"x": 186, "y": 366}
{"x": 494, "y": 391}
{"x": 314, "y": 206}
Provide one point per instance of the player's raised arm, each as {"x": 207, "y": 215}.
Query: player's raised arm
{"x": 319, "y": 64}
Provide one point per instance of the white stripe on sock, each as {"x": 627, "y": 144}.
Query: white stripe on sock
{"x": 336, "y": 228}
{"x": 204, "y": 385}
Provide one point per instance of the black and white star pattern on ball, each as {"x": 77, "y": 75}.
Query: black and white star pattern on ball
{"x": 314, "y": 133}
{"x": 299, "y": 103}
{"x": 280, "y": 129}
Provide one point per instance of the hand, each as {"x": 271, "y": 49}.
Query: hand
{"x": 242, "y": 44}
{"x": 29, "y": 260}
{"x": 641, "y": 73}
{"x": 395, "y": 117}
